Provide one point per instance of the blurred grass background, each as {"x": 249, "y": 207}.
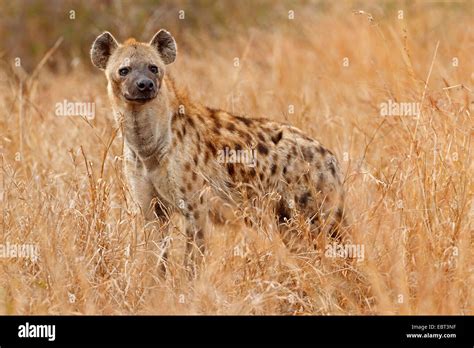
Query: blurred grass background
{"x": 29, "y": 28}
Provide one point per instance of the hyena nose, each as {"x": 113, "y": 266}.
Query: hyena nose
{"x": 145, "y": 85}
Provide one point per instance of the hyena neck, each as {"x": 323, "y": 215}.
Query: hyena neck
{"x": 147, "y": 128}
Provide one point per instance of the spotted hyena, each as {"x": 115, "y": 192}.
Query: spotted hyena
{"x": 181, "y": 154}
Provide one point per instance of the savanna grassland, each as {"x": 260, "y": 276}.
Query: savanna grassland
{"x": 327, "y": 70}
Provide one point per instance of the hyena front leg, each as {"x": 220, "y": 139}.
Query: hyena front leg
{"x": 196, "y": 227}
{"x": 145, "y": 195}
{"x": 194, "y": 248}
{"x": 154, "y": 212}
{"x": 141, "y": 187}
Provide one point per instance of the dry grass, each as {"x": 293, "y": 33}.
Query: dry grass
{"x": 409, "y": 180}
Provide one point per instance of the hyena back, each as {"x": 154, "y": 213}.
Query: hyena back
{"x": 180, "y": 154}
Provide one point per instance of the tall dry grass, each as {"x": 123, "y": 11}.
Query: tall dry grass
{"x": 408, "y": 180}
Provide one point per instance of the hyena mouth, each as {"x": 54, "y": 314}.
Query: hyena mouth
{"x": 140, "y": 100}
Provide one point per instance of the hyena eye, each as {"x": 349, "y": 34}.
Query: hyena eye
{"x": 124, "y": 71}
{"x": 153, "y": 69}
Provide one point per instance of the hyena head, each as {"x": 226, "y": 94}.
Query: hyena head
{"x": 134, "y": 70}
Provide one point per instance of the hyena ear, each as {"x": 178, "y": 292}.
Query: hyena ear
{"x": 164, "y": 43}
{"x": 102, "y": 49}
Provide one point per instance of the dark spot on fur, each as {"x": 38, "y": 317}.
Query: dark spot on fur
{"x": 322, "y": 151}
{"x": 273, "y": 168}
{"x": 229, "y": 184}
{"x": 277, "y": 137}
{"x": 187, "y": 167}
{"x": 196, "y": 159}
{"x": 196, "y": 215}
{"x": 194, "y": 176}
{"x": 252, "y": 172}
{"x": 262, "y": 149}
{"x": 174, "y": 118}
{"x": 212, "y": 110}
{"x": 238, "y": 147}
{"x": 260, "y": 136}
{"x": 216, "y": 130}
{"x": 261, "y": 176}
{"x": 191, "y": 122}
{"x": 244, "y": 135}
{"x": 321, "y": 180}
{"x": 308, "y": 154}
{"x": 200, "y": 235}
{"x": 231, "y": 126}
{"x": 213, "y": 114}
{"x": 248, "y": 122}
{"x": 330, "y": 166}
{"x": 230, "y": 169}
{"x": 282, "y": 212}
{"x": 303, "y": 200}
{"x": 284, "y": 170}
{"x": 211, "y": 147}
